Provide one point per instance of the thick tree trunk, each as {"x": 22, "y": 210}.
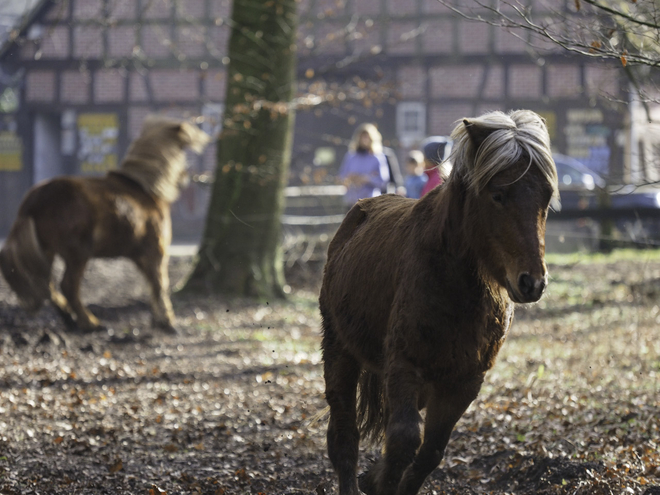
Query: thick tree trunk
{"x": 240, "y": 252}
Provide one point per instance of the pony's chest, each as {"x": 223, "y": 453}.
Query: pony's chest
{"x": 462, "y": 345}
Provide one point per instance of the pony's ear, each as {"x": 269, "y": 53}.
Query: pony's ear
{"x": 477, "y": 133}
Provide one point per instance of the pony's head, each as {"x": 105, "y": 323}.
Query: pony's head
{"x": 503, "y": 164}
{"x": 157, "y": 158}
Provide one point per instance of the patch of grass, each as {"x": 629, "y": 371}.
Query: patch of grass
{"x": 637, "y": 255}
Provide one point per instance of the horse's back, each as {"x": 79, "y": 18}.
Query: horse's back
{"x": 101, "y": 216}
{"x": 375, "y": 215}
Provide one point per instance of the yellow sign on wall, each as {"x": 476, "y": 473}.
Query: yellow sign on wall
{"x": 11, "y": 152}
{"x": 97, "y": 142}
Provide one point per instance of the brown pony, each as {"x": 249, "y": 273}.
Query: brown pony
{"x": 418, "y": 296}
{"x": 126, "y": 213}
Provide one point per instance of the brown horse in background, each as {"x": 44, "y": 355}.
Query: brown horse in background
{"x": 418, "y": 296}
{"x": 124, "y": 214}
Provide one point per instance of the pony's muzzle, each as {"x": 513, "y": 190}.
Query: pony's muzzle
{"x": 531, "y": 288}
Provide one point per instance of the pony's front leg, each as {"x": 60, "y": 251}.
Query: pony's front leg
{"x": 402, "y": 433}
{"x": 443, "y": 410}
{"x": 156, "y": 273}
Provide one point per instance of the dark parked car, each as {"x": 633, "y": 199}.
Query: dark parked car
{"x": 634, "y": 209}
{"x": 578, "y": 185}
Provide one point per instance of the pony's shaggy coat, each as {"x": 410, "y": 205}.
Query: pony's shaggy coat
{"x": 126, "y": 213}
{"x": 417, "y": 298}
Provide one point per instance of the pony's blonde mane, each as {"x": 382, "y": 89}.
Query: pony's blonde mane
{"x": 157, "y": 159}
{"x": 512, "y": 135}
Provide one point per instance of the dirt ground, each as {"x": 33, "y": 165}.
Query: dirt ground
{"x": 229, "y": 405}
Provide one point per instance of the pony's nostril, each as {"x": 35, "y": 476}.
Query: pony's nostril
{"x": 526, "y": 284}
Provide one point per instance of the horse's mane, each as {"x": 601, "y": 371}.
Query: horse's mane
{"x": 514, "y": 135}
{"x": 157, "y": 159}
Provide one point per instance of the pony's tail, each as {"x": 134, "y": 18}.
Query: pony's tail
{"x": 24, "y": 265}
{"x": 371, "y": 410}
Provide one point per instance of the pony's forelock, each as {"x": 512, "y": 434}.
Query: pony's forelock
{"x": 518, "y": 133}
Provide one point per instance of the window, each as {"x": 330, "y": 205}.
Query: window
{"x": 410, "y": 122}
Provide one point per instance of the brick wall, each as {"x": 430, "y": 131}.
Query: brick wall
{"x": 474, "y": 37}
{"x": 40, "y": 86}
{"x": 564, "y": 81}
{"x": 488, "y": 107}
{"x": 456, "y": 81}
{"x": 157, "y": 40}
{"x": 494, "y": 87}
{"x": 191, "y": 9}
{"x": 136, "y": 116}
{"x": 87, "y": 9}
{"x": 602, "y": 80}
{"x": 121, "y": 41}
{"x": 109, "y": 86}
{"x": 174, "y": 85}
{"x": 510, "y": 42}
{"x": 87, "y": 42}
{"x": 122, "y": 9}
{"x": 442, "y": 117}
{"x": 411, "y": 82}
{"x": 218, "y": 40}
{"x": 367, "y": 7}
{"x": 438, "y": 37}
{"x": 74, "y": 87}
{"x": 330, "y": 38}
{"x": 433, "y": 7}
{"x": 397, "y": 7}
{"x": 367, "y": 37}
{"x": 221, "y": 9}
{"x": 329, "y": 8}
{"x": 191, "y": 41}
{"x": 525, "y": 81}
{"x": 137, "y": 87}
{"x": 55, "y": 43}
{"x": 402, "y": 38}
{"x": 158, "y": 9}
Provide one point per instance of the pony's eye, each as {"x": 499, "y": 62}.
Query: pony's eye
{"x": 497, "y": 197}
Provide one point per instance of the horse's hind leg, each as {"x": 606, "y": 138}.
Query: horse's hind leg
{"x": 155, "y": 271}
{"x": 341, "y": 371}
{"x": 73, "y": 275}
{"x": 442, "y": 412}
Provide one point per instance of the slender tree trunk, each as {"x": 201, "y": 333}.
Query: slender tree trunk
{"x": 240, "y": 252}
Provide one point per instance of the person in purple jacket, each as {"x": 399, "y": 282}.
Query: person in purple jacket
{"x": 364, "y": 170}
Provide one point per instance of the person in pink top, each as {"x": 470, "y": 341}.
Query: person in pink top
{"x": 436, "y": 150}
